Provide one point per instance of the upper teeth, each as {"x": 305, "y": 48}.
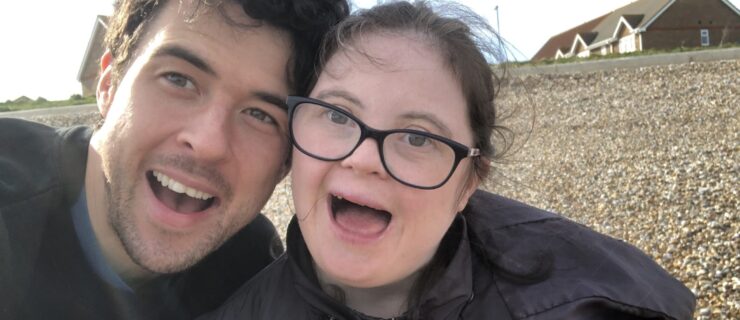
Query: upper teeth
{"x": 178, "y": 187}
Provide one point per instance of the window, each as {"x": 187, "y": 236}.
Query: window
{"x": 627, "y": 44}
{"x": 704, "y": 37}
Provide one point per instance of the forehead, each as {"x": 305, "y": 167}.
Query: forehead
{"x": 222, "y": 34}
{"x": 225, "y": 19}
{"x": 396, "y": 74}
{"x": 387, "y": 52}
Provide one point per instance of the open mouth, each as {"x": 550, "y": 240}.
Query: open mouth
{"x": 177, "y": 196}
{"x": 359, "y": 219}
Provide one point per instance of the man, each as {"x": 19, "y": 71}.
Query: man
{"x": 127, "y": 221}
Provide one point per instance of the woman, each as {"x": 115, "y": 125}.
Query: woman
{"x": 389, "y": 151}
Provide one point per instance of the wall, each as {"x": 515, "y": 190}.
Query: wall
{"x": 631, "y": 62}
{"x": 680, "y": 25}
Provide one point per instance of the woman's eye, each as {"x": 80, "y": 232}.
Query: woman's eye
{"x": 337, "y": 117}
{"x": 417, "y": 140}
{"x": 179, "y": 80}
{"x": 260, "y": 115}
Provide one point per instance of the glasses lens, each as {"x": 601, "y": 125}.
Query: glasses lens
{"x": 418, "y": 159}
{"x": 324, "y": 132}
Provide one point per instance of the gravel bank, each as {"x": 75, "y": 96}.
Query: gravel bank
{"x": 646, "y": 155}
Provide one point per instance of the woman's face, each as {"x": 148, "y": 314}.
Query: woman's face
{"x": 363, "y": 228}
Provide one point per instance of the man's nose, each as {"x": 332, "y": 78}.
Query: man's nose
{"x": 206, "y": 135}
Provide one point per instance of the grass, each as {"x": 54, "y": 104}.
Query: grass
{"x": 617, "y": 55}
{"x": 27, "y": 104}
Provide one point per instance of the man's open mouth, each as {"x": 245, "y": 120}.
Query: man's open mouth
{"x": 359, "y": 219}
{"x": 177, "y": 196}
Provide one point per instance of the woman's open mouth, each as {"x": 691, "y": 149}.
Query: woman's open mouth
{"x": 358, "y": 219}
{"x": 177, "y": 196}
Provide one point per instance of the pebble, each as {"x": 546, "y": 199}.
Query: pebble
{"x": 648, "y": 155}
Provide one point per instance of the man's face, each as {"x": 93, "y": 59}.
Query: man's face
{"x": 194, "y": 138}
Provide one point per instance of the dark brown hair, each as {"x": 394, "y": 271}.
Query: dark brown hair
{"x": 467, "y": 44}
{"x": 305, "y": 20}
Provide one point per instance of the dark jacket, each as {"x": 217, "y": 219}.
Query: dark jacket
{"x": 43, "y": 272}
{"x": 510, "y": 261}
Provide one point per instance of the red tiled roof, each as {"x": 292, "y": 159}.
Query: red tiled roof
{"x": 565, "y": 40}
{"x": 648, "y": 9}
{"x": 637, "y": 14}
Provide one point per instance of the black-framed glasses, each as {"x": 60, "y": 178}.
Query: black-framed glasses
{"x": 415, "y": 158}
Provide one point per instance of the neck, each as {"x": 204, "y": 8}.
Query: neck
{"x": 98, "y": 207}
{"x": 387, "y": 301}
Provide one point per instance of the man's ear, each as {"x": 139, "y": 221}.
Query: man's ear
{"x": 105, "y": 89}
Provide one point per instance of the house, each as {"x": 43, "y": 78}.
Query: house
{"x": 90, "y": 67}
{"x": 648, "y": 24}
{"x": 22, "y": 99}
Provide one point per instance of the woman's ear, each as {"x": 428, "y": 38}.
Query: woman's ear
{"x": 471, "y": 184}
{"x": 105, "y": 90}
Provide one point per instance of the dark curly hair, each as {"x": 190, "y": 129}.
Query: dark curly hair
{"x": 469, "y": 45}
{"x": 305, "y": 20}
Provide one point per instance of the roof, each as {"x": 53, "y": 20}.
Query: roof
{"x": 638, "y": 14}
{"x": 648, "y": 9}
{"x": 94, "y": 47}
{"x": 729, "y": 4}
{"x": 633, "y": 19}
{"x": 584, "y": 38}
{"x": 564, "y": 40}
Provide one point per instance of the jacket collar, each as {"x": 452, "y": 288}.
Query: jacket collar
{"x": 447, "y": 298}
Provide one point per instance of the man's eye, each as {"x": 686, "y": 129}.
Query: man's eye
{"x": 260, "y": 115}
{"x": 179, "y": 80}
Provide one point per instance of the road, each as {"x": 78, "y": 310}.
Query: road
{"x": 49, "y": 111}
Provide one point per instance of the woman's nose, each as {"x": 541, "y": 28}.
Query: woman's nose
{"x": 366, "y": 159}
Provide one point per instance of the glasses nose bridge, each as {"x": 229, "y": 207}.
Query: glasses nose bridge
{"x": 375, "y": 134}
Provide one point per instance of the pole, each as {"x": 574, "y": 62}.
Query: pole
{"x": 498, "y": 34}
{"x": 498, "y": 26}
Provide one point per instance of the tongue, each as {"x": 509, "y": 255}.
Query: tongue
{"x": 362, "y": 220}
{"x": 180, "y": 202}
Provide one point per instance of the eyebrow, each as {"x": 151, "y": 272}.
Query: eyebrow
{"x": 184, "y": 54}
{"x": 432, "y": 119}
{"x": 272, "y": 98}
{"x": 192, "y": 58}
{"x": 340, "y": 94}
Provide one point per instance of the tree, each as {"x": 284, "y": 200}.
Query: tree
{"x": 23, "y": 99}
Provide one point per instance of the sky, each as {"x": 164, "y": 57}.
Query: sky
{"x": 43, "y": 41}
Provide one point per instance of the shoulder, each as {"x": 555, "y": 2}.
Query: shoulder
{"x": 498, "y": 212}
{"x": 585, "y": 271}
{"x": 209, "y": 283}
{"x": 35, "y": 162}
{"x": 33, "y": 157}
{"x": 257, "y": 244}
{"x": 263, "y": 297}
